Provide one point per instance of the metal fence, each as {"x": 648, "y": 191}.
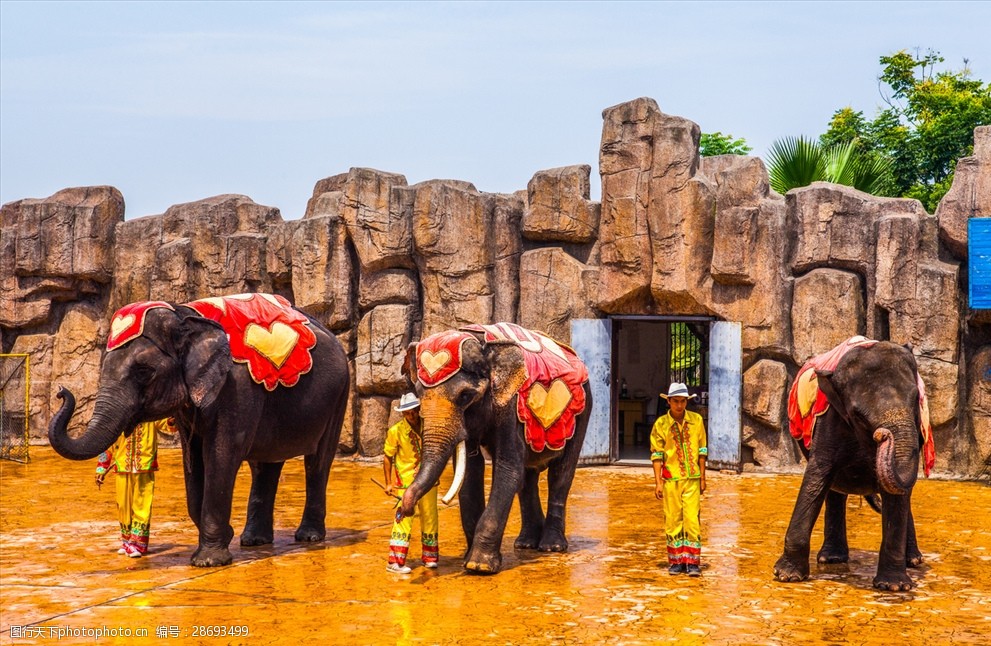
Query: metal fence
{"x": 15, "y": 380}
{"x": 689, "y": 353}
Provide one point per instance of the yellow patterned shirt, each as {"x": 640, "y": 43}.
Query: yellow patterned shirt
{"x": 404, "y": 447}
{"x": 679, "y": 446}
{"x": 137, "y": 453}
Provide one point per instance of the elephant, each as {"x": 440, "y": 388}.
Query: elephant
{"x": 178, "y": 362}
{"x": 867, "y": 442}
{"x": 477, "y": 405}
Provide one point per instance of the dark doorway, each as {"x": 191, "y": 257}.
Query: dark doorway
{"x": 648, "y": 354}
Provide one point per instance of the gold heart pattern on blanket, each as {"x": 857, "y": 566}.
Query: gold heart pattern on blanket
{"x": 275, "y": 343}
{"x": 808, "y": 388}
{"x": 438, "y": 357}
{"x": 120, "y": 324}
{"x": 265, "y": 333}
{"x": 547, "y": 404}
{"x": 433, "y": 362}
{"x": 128, "y": 323}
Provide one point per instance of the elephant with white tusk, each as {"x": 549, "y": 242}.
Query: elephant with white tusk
{"x": 524, "y": 399}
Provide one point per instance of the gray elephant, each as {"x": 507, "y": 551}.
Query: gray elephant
{"x": 867, "y": 406}
{"x": 248, "y": 378}
{"x": 521, "y": 398}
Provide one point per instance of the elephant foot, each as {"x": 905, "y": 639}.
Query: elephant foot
{"x": 527, "y": 540}
{"x": 553, "y": 542}
{"x": 251, "y": 537}
{"x": 832, "y": 556}
{"x": 914, "y": 559}
{"x": 310, "y": 534}
{"x": 205, "y": 556}
{"x": 894, "y": 581}
{"x": 787, "y": 571}
{"x": 484, "y": 563}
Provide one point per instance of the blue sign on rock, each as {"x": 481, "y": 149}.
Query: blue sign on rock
{"x": 979, "y": 259}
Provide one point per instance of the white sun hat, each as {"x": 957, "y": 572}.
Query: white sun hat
{"x": 407, "y": 402}
{"x": 678, "y": 390}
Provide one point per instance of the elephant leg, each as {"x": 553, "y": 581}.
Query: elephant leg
{"x": 485, "y": 555}
{"x": 560, "y": 475}
{"x": 261, "y": 503}
{"x": 192, "y": 448}
{"x": 471, "y": 498}
{"x": 793, "y": 565}
{"x": 531, "y": 513}
{"x": 834, "y": 545}
{"x": 891, "y": 573}
{"x": 215, "y": 528}
{"x": 312, "y": 526}
{"x": 913, "y": 555}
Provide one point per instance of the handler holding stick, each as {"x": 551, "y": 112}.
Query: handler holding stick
{"x": 403, "y": 452}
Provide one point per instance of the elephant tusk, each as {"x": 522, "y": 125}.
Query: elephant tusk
{"x": 460, "y": 458}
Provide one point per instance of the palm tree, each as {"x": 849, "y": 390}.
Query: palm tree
{"x": 796, "y": 161}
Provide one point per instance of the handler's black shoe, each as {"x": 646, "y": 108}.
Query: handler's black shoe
{"x": 677, "y": 568}
{"x": 694, "y": 570}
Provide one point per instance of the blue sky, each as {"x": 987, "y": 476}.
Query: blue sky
{"x": 173, "y": 102}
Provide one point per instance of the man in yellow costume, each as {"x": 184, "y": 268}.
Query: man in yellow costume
{"x": 678, "y": 453}
{"x": 403, "y": 451}
{"x": 135, "y": 459}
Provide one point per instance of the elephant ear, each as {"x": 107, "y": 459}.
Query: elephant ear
{"x": 825, "y": 383}
{"x": 206, "y": 357}
{"x": 507, "y": 371}
{"x": 409, "y": 364}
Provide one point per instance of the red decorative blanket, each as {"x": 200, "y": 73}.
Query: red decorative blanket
{"x": 550, "y": 398}
{"x": 266, "y": 333}
{"x": 806, "y": 402}
{"x": 438, "y": 357}
{"x": 128, "y": 323}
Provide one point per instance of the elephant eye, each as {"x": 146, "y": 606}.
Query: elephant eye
{"x": 859, "y": 416}
{"x": 465, "y": 398}
{"x": 143, "y": 374}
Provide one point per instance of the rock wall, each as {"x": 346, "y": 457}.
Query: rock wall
{"x": 382, "y": 263}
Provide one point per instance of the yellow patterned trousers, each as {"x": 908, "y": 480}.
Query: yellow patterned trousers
{"x": 134, "y": 494}
{"x": 402, "y": 531}
{"x": 682, "y": 523}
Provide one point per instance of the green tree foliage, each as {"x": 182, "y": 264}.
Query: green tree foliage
{"x": 716, "y": 143}
{"x": 928, "y": 124}
{"x": 796, "y": 161}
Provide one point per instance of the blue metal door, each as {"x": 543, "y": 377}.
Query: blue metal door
{"x": 725, "y": 390}
{"x": 592, "y": 340}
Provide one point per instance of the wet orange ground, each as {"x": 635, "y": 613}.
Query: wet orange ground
{"x": 59, "y": 570}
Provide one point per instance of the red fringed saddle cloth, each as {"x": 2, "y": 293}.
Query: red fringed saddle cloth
{"x": 806, "y": 402}
{"x": 266, "y": 333}
{"x": 550, "y": 398}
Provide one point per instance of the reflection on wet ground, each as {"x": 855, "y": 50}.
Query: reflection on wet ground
{"x": 59, "y": 570}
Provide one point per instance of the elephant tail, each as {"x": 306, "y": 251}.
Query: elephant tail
{"x": 874, "y": 502}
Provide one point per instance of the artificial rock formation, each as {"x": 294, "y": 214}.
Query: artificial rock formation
{"x": 382, "y": 263}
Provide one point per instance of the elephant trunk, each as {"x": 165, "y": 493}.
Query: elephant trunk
{"x": 440, "y": 439}
{"x": 110, "y": 420}
{"x": 897, "y": 462}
